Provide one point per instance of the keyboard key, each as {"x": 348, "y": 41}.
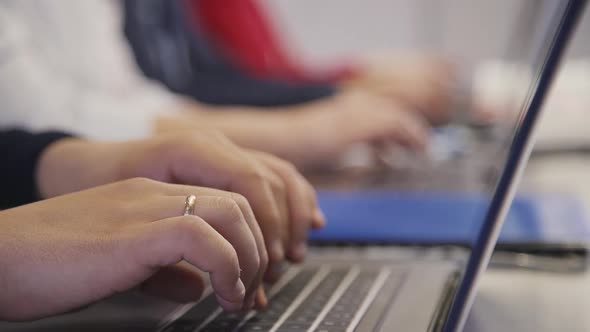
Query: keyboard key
{"x": 306, "y": 313}
{"x": 264, "y": 320}
{"x": 225, "y": 322}
{"x": 182, "y": 327}
{"x": 343, "y": 311}
{"x": 195, "y": 316}
{"x": 256, "y": 327}
{"x": 336, "y": 319}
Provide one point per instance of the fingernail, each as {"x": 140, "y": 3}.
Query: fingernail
{"x": 238, "y": 303}
{"x": 261, "y": 298}
{"x": 301, "y": 250}
{"x": 240, "y": 289}
{"x": 278, "y": 251}
{"x": 228, "y": 305}
{"x": 320, "y": 217}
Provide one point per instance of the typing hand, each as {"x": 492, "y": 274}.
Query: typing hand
{"x": 59, "y": 254}
{"x": 357, "y": 117}
{"x": 313, "y": 134}
{"x": 283, "y": 202}
{"x": 423, "y": 82}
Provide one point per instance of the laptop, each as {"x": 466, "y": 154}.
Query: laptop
{"x": 351, "y": 289}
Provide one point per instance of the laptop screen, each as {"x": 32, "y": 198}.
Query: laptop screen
{"x": 542, "y": 33}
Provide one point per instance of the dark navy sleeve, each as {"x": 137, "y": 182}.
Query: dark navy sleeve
{"x": 19, "y": 153}
{"x": 168, "y": 50}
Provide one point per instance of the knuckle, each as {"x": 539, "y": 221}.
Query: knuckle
{"x": 167, "y": 143}
{"x": 286, "y": 165}
{"x": 240, "y": 200}
{"x": 181, "y": 142}
{"x": 231, "y": 209}
{"x": 140, "y": 183}
{"x": 276, "y": 183}
{"x": 218, "y": 136}
{"x": 235, "y": 213}
{"x": 207, "y": 136}
{"x": 254, "y": 174}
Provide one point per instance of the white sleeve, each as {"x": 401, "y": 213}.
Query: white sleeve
{"x": 37, "y": 97}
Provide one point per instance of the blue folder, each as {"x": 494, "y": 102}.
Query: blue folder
{"x": 425, "y": 218}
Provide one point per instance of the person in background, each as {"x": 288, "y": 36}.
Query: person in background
{"x": 72, "y": 57}
{"x": 170, "y": 47}
{"x": 84, "y": 220}
{"x": 189, "y": 44}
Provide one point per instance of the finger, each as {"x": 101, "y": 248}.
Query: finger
{"x": 190, "y": 238}
{"x": 260, "y": 195}
{"x": 240, "y": 175}
{"x": 299, "y": 198}
{"x": 178, "y": 283}
{"x": 390, "y": 121}
{"x": 280, "y": 195}
{"x": 411, "y": 130}
{"x": 258, "y": 237}
{"x": 261, "y": 299}
{"x": 226, "y": 216}
{"x": 319, "y": 220}
{"x": 234, "y": 171}
{"x": 157, "y": 207}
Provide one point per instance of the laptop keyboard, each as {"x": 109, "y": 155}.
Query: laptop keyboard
{"x": 322, "y": 299}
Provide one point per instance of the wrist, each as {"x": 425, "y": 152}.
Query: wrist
{"x": 73, "y": 164}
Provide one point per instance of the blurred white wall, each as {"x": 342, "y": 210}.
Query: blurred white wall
{"x": 467, "y": 29}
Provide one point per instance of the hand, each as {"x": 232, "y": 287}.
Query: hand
{"x": 314, "y": 134}
{"x": 283, "y": 201}
{"x": 356, "y": 117}
{"x": 424, "y": 83}
{"x": 63, "y": 253}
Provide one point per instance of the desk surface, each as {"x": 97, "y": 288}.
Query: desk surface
{"x": 516, "y": 300}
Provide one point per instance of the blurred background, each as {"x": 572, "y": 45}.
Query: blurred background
{"x": 472, "y": 33}
{"x": 469, "y": 30}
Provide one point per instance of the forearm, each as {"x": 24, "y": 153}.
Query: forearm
{"x": 72, "y": 164}
{"x": 279, "y": 133}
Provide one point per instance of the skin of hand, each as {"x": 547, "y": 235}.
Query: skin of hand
{"x": 66, "y": 252}
{"x": 314, "y": 134}
{"x": 284, "y": 203}
{"x": 423, "y": 82}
